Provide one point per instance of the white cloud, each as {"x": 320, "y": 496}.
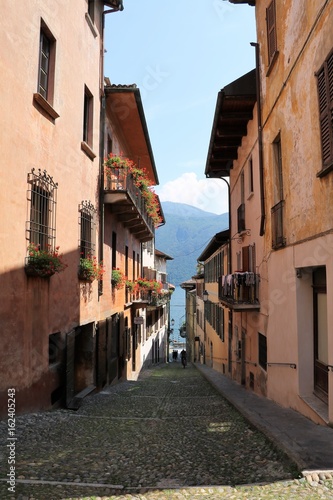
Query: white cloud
{"x": 210, "y": 195}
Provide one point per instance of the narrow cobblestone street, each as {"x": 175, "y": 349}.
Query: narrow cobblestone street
{"x": 169, "y": 435}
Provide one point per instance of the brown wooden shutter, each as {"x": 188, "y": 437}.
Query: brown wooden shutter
{"x": 245, "y": 258}
{"x": 325, "y": 94}
{"x": 271, "y": 30}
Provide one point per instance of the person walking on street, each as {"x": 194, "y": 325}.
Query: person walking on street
{"x": 183, "y": 357}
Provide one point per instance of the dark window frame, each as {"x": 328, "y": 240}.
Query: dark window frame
{"x": 262, "y": 351}
{"x": 43, "y": 98}
{"x": 272, "y": 51}
{"x": 87, "y": 124}
{"x": 325, "y": 105}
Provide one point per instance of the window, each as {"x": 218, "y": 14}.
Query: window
{"x": 277, "y": 210}
{"x": 250, "y": 169}
{"x": 325, "y": 95}
{"x": 262, "y": 354}
{"x": 241, "y": 218}
{"x": 242, "y": 183}
{"x": 87, "y": 117}
{"x": 271, "y": 32}
{"x": 88, "y": 107}
{"x": 41, "y": 195}
{"x": 87, "y": 229}
{"x": 46, "y": 70}
{"x": 46, "y": 63}
{"x": 114, "y": 251}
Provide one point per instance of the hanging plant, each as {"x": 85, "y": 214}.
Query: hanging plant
{"x": 118, "y": 279}
{"x": 90, "y": 269}
{"x": 43, "y": 263}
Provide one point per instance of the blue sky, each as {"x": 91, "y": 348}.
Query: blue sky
{"x": 180, "y": 54}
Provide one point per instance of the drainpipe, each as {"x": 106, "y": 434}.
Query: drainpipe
{"x": 229, "y": 215}
{"x": 118, "y": 6}
{"x": 260, "y": 143}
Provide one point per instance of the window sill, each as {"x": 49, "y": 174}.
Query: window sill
{"x": 91, "y": 25}
{"x": 325, "y": 170}
{"x": 250, "y": 195}
{"x": 87, "y": 149}
{"x": 272, "y": 63}
{"x": 45, "y": 105}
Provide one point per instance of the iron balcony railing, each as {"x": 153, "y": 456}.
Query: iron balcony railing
{"x": 240, "y": 290}
{"x": 147, "y": 297}
{"x": 119, "y": 183}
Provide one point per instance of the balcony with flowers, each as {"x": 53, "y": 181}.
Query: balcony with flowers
{"x": 149, "y": 292}
{"x": 240, "y": 291}
{"x": 127, "y": 188}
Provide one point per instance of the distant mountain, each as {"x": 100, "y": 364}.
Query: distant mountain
{"x": 185, "y": 235}
{"x": 171, "y": 208}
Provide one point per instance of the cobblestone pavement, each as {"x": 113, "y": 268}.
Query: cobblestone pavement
{"x": 169, "y": 435}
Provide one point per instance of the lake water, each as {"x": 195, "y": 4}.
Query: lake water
{"x": 177, "y": 311}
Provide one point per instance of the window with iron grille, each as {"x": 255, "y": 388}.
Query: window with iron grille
{"x": 41, "y": 220}
{"x": 271, "y": 32}
{"x": 325, "y": 95}
{"x": 87, "y": 224}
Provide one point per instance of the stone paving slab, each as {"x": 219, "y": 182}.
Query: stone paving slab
{"x": 168, "y": 435}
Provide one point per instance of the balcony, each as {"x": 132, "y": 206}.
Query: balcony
{"x": 147, "y": 298}
{"x": 128, "y": 204}
{"x": 239, "y": 291}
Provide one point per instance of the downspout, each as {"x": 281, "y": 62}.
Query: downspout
{"x": 260, "y": 143}
{"x": 101, "y": 146}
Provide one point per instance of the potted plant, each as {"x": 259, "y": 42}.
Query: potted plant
{"x": 117, "y": 278}
{"x": 117, "y": 167}
{"x": 130, "y": 285}
{"x": 90, "y": 269}
{"x": 43, "y": 263}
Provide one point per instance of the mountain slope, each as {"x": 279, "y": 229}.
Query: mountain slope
{"x": 186, "y": 233}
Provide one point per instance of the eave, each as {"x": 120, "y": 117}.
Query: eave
{"x": 215, "y": 243}
{"x": 249, "y": 2}
{"x": 124, "y": 107}
{"x": 233, "y": 111}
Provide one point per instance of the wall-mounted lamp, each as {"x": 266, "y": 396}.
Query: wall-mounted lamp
{"x": 205, "y": 296}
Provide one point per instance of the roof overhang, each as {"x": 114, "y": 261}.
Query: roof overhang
{"x": 250, "y": 2}
{"x": 234, "y": 109}
{"x": 215, "y": 243}
{"x": 162, "y": 255}
{"x": 114, "y": 4}
{"x": 124, "y": 107}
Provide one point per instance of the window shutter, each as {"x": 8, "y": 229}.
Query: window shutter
{"x": 271, "y": 30}
{"x": 325, "y": 96}
{"x": 245, "y": 258}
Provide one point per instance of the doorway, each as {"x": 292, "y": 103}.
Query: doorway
{"x": 320, "y": 334}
